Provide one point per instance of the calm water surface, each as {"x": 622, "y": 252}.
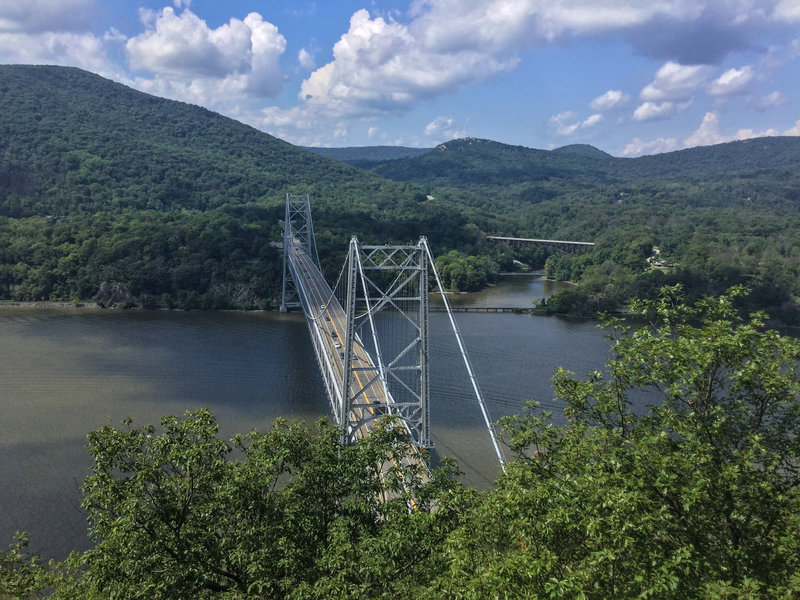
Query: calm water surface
{"x": 66, "y": 372}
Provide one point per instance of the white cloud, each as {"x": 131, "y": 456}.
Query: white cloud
{"x": 297, "y": 125}
{"x": 708, "y": 133}
{"x": 787, "y": 10}
{"x": 380, "y": 66}
{"x": 638, "y": 147}
{"x": 438, "y": 124}
{"x": 267, "y": 46}
{"x": 37, "y": 16}
{"x": 562, "y": 126}
{"x": 675, "y": 82}
{"x": 746, "y": 134}
{"x": 372, "y": 132}
{"x": 732, "y": 81}
{"x": 114, "y": 35}
{"x": 611, "y": 99}
{"x": 795, "y": 130}
{"x": 443, "y": 128}
{"x": 559, "y": 122}
{"x": 306, "y": 59}
{"x": 82, "y": 50}
{"x": 652, "y": 111}
{"x": 592, "y": 120}
{"x": 273, "y": 118}
{"x": 53, "y": 32}
{"x": 502, "y": 23}
{"x": 771, "y": 100}
{"x": 191, "y": 59}
{"x": 183, "y": 45}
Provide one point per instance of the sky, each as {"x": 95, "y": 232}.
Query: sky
{"x": 630, "y": 77}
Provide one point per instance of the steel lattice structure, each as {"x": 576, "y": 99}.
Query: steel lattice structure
{"x": 298, "y": 228}
{"x": 371, "y": 342}
{"x": 392, "y": 280}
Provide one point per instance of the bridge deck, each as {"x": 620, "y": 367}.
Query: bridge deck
{"x": 539, "y": 241}
{"x": 327, "y": 322}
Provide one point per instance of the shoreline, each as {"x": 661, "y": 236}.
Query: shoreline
{"x": 543, "y": 278}
{"x": 49, "y": 304}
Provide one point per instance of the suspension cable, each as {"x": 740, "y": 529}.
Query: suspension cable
{"x": 332, "y": 295}
{"x": 464, "y": 355}
{"x": 372, "y": 325}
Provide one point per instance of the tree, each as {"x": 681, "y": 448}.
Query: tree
{"x": 288, "y": 513}
{"x": 675, "y": 475}
{"x": 26, "y": 575}
{"x": 22, "y": 574}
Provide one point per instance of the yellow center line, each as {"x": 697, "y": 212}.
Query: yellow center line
{"x": 358, "y": 379}
{"x": 341, "y": 341}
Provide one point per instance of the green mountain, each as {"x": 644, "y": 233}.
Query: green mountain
{"x": 110, "y": 194}
{"x": 471, "y": 161}
{"x": 773, "y": 156}
{"x": 75, "y": 142}
{"x": 718, "y": 216}
{"x": 584, "y": 150}
{"x": 368, "y": 156}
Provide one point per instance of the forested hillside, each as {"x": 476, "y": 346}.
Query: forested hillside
{"x": 110, "y": 194}
{"x": 369, "y": 156}
{"x": 718, "y": 215}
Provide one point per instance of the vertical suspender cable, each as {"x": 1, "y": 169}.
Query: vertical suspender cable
{"x": 464, "y": 355}
{"x": 372, "y": 323}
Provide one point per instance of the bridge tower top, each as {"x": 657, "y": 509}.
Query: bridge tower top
{"x": 298, "y": 228}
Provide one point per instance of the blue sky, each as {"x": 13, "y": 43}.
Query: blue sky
{"x": 630, "y": 77}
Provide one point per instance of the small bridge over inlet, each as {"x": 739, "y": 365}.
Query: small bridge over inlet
{"x": 561, "y": 244}
{"x": 370, "y": 329}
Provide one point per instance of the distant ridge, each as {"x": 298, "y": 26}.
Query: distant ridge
{"x": 467, "y": 162}
{"x": 583, "y": 150}
{"x": 369, "y": 154}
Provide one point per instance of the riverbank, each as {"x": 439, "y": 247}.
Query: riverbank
{"x": 48, "y": 304}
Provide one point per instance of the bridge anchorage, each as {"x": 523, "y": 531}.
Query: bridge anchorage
{"x": 370, "y": 330}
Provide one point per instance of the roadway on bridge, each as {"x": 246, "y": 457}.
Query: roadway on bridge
{"x": 332, "y": 323}
{"x": 324, "y": 312}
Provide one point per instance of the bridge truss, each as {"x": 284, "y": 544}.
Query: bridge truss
{"x": 370, "y": 330}
{"x": 566, "y": 245}
{"x": 387, "y": 314}
{"x": 298, "y": 229}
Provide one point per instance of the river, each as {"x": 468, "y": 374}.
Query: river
{"x": 65, "y": 372}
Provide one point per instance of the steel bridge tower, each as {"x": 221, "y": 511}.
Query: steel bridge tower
{"x": 298, "y": 228}
{"x": 387, "y": 313}
{"x": 370, "y": 331}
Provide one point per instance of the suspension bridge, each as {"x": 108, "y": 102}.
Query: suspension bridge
{"x": 370, "y": 329}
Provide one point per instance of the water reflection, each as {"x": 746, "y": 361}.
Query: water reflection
{"x": 511, "y": 291}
